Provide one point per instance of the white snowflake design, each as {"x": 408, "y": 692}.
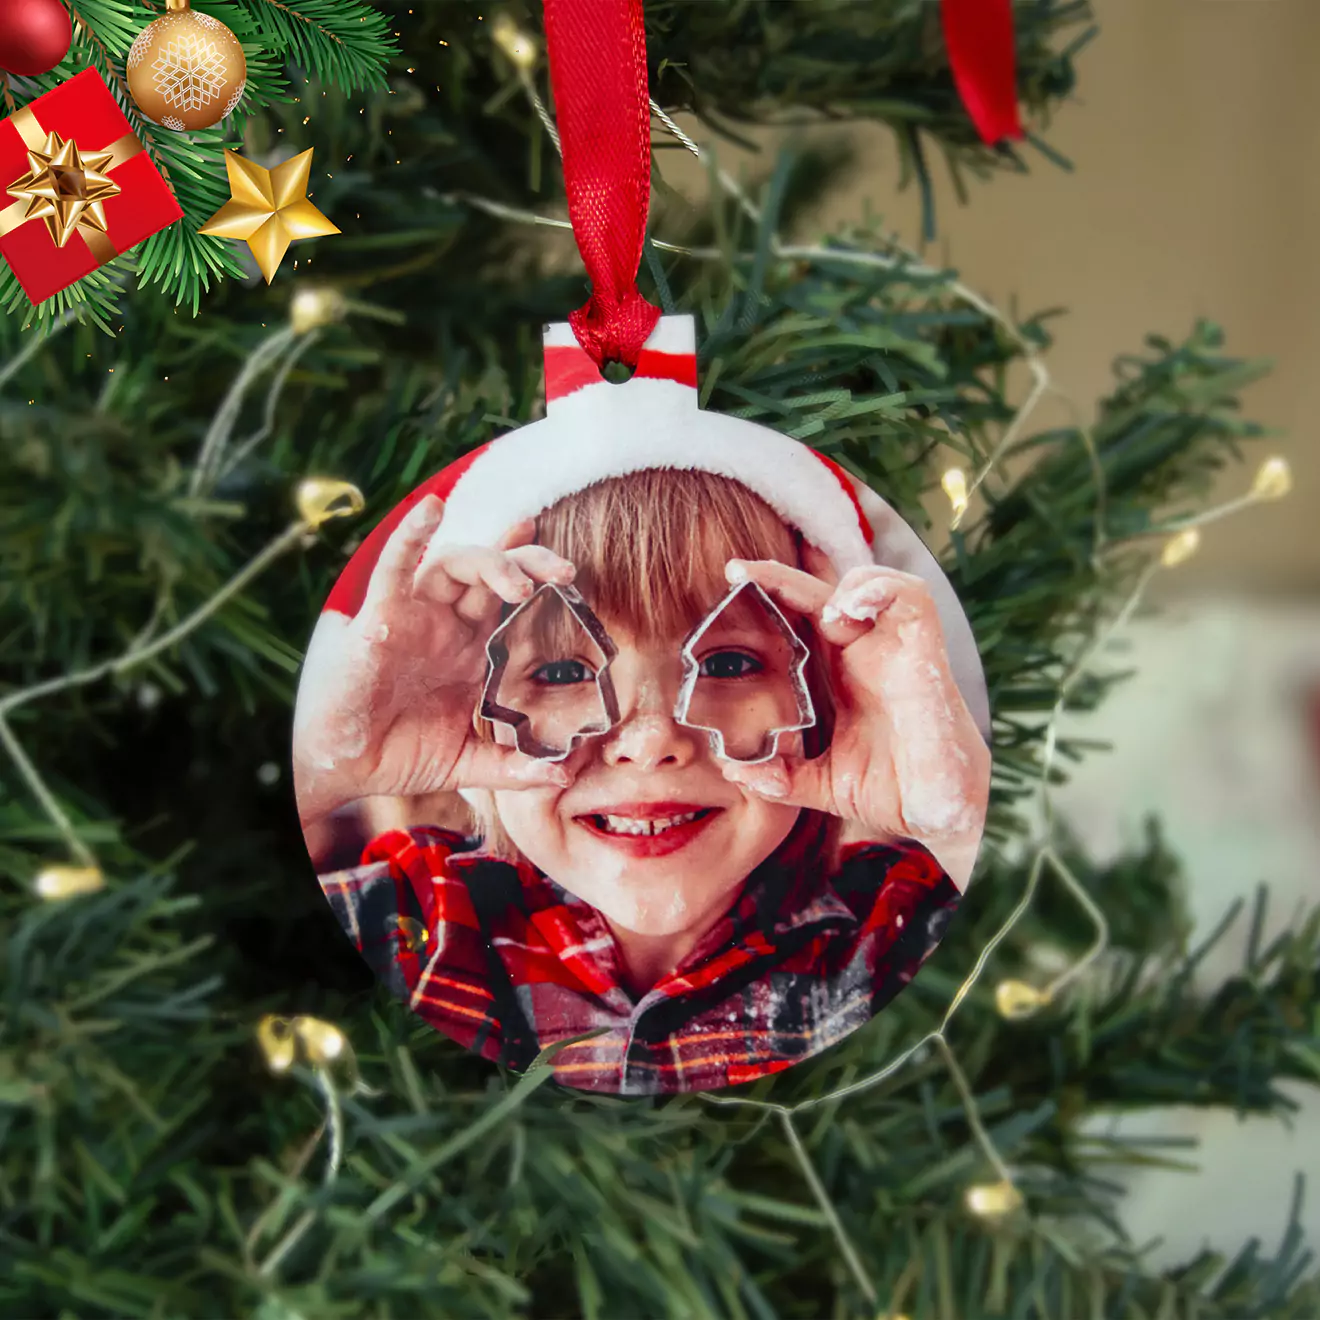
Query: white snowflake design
{"x": 171, "y": 122}
{"x": 189, "y": 72}
{"x": 234, "y": 100}
{"x": 138, "y": 51}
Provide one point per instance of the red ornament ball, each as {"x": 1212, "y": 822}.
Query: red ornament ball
{"x": 34, "y": 36}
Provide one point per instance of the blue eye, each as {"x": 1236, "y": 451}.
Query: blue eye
{"x": 559, "y": 673}
{"x": 729, "y": 664}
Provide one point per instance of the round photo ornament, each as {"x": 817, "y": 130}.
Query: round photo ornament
{"x": 640, "y": 727}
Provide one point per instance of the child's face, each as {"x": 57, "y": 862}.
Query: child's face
{"x": 650, "y": 832}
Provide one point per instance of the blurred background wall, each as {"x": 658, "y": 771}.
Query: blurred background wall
{"x": 1195, "y": 136}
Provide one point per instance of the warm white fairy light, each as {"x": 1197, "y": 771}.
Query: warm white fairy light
{"x": 1273, "y": 479}
{"x": 518, "y": 47}
{"x": 60, "y": 882}
{"x": 277, "y": 1041}
{"x": 1017, "y": 999}
{"x": 1179, "y": 548}
{"x": 322, "y": 1041}
{"x": 284, "y": 1041}
{"x": 994, "y": 1202}
{"x": 321, "y": 498}
{"x": 315, "y": 307}
{"x": 954, "y": 482}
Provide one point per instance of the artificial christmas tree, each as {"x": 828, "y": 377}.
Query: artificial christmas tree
{"x": 207, "y": 1106}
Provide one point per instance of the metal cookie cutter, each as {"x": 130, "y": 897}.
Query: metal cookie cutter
{"x": 497, "y": 658}
{"x": 797, "y": 672}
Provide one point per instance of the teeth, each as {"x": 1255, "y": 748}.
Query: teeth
{"x": 627, "y": 825}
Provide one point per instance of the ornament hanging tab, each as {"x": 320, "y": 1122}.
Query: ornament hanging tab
{"x": 597, "y": 53}
{"x": 979, "y": 37}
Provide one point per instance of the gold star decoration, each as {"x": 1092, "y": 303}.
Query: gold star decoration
{"x": 268, "y": 209}
{"x": 66, "y": 188}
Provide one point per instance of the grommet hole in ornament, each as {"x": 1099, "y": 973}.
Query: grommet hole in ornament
{"x": 617, "y": 373}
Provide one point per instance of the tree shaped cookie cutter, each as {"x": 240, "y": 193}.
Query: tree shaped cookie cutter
{"x": 497, "y": 659}
{"x": 797, "y": 673}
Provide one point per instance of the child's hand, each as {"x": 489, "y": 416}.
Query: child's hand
{"x": 906, "y": 758}
{"x": 388, "y": 710}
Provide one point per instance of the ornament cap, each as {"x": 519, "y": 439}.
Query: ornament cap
{"x": 177, "y": 6}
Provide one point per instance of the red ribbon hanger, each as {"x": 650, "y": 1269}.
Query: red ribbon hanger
{"x": 597, "y": 53}
{"x": 979, "y": 38}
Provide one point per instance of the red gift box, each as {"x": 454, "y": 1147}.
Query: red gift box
{"x": 135, "y": 204}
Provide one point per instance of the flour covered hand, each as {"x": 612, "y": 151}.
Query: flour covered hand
{"x": 906, "y": 759}
{"x": 387, "y": 699}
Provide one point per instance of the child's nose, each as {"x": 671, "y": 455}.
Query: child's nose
{"x": 647, "y": 736}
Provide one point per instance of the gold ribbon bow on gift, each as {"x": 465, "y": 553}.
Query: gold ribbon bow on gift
{"x": 66, "y": 186}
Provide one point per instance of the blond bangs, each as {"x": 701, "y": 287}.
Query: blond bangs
{"x": 650, "y": 547}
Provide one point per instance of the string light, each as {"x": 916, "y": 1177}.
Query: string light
{"x": 313, "y": 308}
{"x": 994, "y": 1202}
{"x": 1180, "y": 548}
{"x": 278, "y": 1043}
{"x": 283, "y": 1040}
{"x": 518, "y": 47}
{"x": 954, "y": 482}
{"x": 1273, "y": 479}
{"x": 59, "y": 882}
{"x": 1016, "y": 999}
{"x": 323, "y": 1041}
{"x": 321, "y": 498}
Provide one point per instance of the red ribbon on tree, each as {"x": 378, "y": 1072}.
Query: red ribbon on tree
{"x": 979, "y": 37}
{"x": 597, "y": 52}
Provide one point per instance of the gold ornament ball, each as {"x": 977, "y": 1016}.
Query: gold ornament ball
{"x": 186, "y": 71}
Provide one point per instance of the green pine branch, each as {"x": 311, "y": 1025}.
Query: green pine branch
{"x": 344, "y": 43}
{"x": 181, "y": 1166}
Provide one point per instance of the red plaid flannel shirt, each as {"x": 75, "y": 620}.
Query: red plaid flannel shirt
{"x": 505, "y": 961}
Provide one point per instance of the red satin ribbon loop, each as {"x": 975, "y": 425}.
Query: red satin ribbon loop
{"x": 597, "y": 52}
{"x": 979, "y": 38}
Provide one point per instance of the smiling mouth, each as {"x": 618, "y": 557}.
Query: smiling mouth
{"x": 632, "y": 825}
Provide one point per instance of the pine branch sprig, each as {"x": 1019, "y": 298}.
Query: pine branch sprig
{"x": 343, "y": 42}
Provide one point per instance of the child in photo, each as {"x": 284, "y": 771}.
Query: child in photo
{"x": 713, "y": 920}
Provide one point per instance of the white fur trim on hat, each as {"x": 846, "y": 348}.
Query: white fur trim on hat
{"x": 612, "y": 430}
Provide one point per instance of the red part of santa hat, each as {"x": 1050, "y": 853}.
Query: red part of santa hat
{"x": 594, "y": 430}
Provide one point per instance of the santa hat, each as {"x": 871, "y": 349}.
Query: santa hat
{"x": 594, "y": 429}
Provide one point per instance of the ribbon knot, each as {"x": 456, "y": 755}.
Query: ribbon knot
{"x": 66, "y": 187}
